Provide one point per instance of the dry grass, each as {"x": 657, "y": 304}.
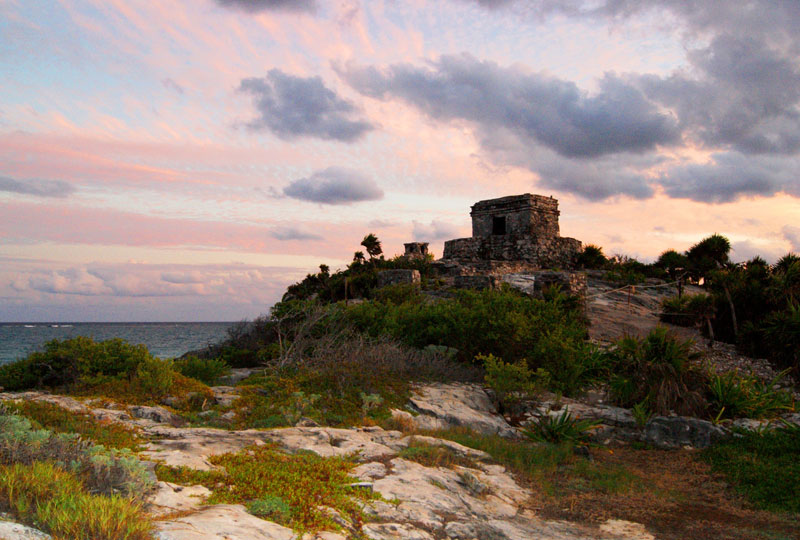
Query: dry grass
{"x": 684, "y": 500}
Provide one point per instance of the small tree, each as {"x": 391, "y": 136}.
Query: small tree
{"x": 372, "y": 245}
{"x": 707, "y": 255}
{"x": 592, "y": 257}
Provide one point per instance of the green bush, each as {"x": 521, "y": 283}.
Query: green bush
{"x": 155, "y": 376}
{"x": 73, "y": 361}
{"x": 687, "y": 310}
{"x": 736, "y": 396}
{"x": 504, "y": 323}
{"x": 206, "y": 370}
{"x": 510, "y": 382}
{"x": 656, "y": 370}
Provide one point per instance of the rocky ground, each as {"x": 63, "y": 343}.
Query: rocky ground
{"x": 476, "y": 500}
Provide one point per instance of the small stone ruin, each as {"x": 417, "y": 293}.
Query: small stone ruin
{"x": 520, "y": 229}
{"x": 416, "y": 250}
{"x": 515, "y": 240}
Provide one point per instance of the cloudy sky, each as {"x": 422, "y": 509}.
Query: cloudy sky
{"x": 187, "y": 159}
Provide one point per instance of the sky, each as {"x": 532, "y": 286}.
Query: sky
{"x": 186, "y": 160}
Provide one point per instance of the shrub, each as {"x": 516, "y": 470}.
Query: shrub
{"x": 560, "y": 429}
{"x": 55, "y": 500}
{"x": 101, "y": 470}
{"x": 591, "y": 257}
{"x": 206, "y": 370}
{"x": 687, "y": 310}
{"x": 340, "y": 377}
{"x": 504, "y": 323}
{"x": 657, "y": 370}
{"x": 734, "y": 396}
{"x": 510, "y": 382}
{"x": 155, "y": 376}
{"x": 72, "y": 361}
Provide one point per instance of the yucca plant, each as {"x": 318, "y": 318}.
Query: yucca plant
{"x": 737, "y": 396}
{"x": 563, "y": 428}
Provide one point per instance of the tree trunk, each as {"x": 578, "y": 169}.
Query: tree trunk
{"x": 733, "y": 311}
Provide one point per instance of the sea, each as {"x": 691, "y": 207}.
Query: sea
{"x": 164, "y": 340}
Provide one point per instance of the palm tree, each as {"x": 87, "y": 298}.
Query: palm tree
{"x": 372, "y": 245}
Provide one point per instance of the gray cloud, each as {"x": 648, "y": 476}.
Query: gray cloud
{"x": 39, "y": 188}
{"x": 435, "y": 230}
{"x": 254, "y": 6}
{"x": 292, "y": 233}
{"x": 290, "y": 107}
{"x": 732, "y": 175}
{"x": 792, "y": 235}
{"x": 334, "y": 185}
{"x": 737, "y": 95}
{"x": 381, "y": 224}
{"x": 535, "y": 107}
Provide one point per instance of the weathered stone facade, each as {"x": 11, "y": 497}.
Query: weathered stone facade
{"x": 416, "y": 250}
{"x": 398, "y": 277}
{"x": 520, "y": 228}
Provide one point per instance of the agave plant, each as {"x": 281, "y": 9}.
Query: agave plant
{"x": 561, "y": 429}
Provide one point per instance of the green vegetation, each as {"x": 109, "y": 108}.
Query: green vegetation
{"x": 762, "y": 466}
{"x": 114, "y": 369}
{"x": 511, "y": 382}
{"x": 56, "y": 500}
{"x": 754, "y": 305}
{"x": 434, "y": 455}
{"x": 69, "y": 487}
{"x": 559, "y": 429}
{"x": 291, "y": 489}
{"x": 60, "y": 420}
{"x": 553, "y": 467}
{"x": 205, "y": 370}
{"x": 656, "y": 370}
{"x": 734, "y": 396}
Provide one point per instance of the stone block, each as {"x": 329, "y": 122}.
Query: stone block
{"x": 399, "y": 277}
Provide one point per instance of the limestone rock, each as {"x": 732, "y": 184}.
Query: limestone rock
{"x": 450, "y": 405}
{"x": 170, "y": 498}
{"x": 225, "y": 395}
{"x": 626, "y": 529}
{"x": 191, "y": 447}
{"x": 394, "y": 531}
{"x": 159, "y": 415}
{"x": 15, "y": 531}
{"x": 222, "y": 522}
{"x": 679, "y": 431}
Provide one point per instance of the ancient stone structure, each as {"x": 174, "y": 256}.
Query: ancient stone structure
{"x": 416, "y": 250}
{"x": 399, "y": 276}
{"x": 522, "y": 229}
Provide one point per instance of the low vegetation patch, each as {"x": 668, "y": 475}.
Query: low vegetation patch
{"x": 733, "y": 395}
{"x": 553, "y": 469}
{"x": 289, "y": 489}
{"x": 205, "y": 370}
{"x": 762, "y": 466}
{"x": 57, "y": 501}
{"x": 434, "y": 455}
{"x": 60, "y": 420}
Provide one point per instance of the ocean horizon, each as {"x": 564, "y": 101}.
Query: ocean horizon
{"x": 163, "y": 339}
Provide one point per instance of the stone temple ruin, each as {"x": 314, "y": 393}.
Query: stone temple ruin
{"x": 514, "y": 240}
{"x": 514, "y": 233}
